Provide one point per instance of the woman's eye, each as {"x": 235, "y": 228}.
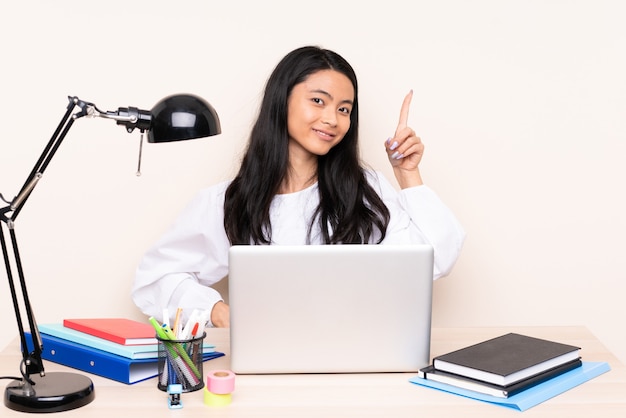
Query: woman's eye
{"x": 318, "y": 100}
{"x": 344, "y": 110}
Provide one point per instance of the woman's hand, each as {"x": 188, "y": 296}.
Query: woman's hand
{"x": 405, "y": 149}
{"x": 220, "y": 315}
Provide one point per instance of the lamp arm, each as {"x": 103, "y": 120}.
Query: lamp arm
{"x": 32, "y": 360}
{"x": 131, "y": 118}
{"x": 44, "y": 159}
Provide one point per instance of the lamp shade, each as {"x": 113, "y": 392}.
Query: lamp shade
{"x": 182, "y": 116}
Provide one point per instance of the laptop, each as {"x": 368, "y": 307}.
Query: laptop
{"x": 330, "y": 308}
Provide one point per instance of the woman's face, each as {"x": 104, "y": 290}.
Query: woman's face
{"x": 318, "y": 113}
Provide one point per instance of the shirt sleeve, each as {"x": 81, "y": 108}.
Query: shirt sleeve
{"x": 178, "y": 270}
{"x": 418, "y": 216}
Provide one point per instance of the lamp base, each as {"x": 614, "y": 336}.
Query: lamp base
{"x": 54, "y": 392}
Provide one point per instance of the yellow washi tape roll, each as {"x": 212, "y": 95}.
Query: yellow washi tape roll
{"x": 214, "y": 399}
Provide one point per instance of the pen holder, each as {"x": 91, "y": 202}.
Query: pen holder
{"x": 180, "y": 362}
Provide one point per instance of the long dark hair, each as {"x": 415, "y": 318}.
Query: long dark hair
{"x": 350, "y": 211}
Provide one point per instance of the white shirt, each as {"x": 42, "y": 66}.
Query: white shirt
{"x": 192, "y": 255}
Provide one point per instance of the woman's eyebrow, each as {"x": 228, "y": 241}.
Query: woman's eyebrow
{"x": 330, "y": 96}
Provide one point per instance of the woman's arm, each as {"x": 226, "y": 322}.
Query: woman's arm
{"x": 192, "y": 255}
{"x": 417, "y": 213}
{"x": 418, "y": 216}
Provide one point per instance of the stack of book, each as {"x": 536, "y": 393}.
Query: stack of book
{"x": 116, "y": 348}
{"x": 507, "y": 368}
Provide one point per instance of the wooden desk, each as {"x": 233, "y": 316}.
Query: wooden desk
{"x": 353, "y": 395}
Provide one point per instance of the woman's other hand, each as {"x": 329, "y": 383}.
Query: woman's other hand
{"x": 405, "y": 149}
{"x": 220, "y": 315}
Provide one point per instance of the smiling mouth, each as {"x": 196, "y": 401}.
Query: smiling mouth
{"x": 324, "y": 135}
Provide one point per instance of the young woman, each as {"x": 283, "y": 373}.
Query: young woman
{"x": 300, "y": 182}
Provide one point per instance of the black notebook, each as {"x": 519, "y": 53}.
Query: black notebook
{"x": 507, "y": 359}
{"x": 495, "y": 390}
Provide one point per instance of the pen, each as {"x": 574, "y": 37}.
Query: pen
{"x": 169, "y": 334}
{"x": 202, "y": 321}
{"x": 177, "y": 323}
{"x": 186, "y": 334}
{"x": 158, "y": 328}
{"x": 166, "y": 316}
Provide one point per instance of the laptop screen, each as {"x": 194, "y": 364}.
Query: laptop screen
{"x": 330, "y": 308}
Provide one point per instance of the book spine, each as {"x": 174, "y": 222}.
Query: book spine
{"x": 96, "y": 333}
{"x": 89, "y": 341}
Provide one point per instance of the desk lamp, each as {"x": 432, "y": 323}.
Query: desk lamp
{"x": 174, "y": 118}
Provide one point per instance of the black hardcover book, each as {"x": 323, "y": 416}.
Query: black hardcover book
{"x": 495, "y": 390}
{"x": 507, "y": 359}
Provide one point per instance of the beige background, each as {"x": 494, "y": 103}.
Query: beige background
{"x": 521, "y": 105}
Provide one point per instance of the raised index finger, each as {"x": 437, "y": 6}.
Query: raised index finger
{"x": 404, "y": 111}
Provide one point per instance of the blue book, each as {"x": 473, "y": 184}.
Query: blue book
{"x": 134, "y": 352}
{"x": 98, "y": 362}
{"x": 532, "y": 396}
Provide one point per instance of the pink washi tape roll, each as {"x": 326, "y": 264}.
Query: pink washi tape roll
{"x": 220, "y": 382}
